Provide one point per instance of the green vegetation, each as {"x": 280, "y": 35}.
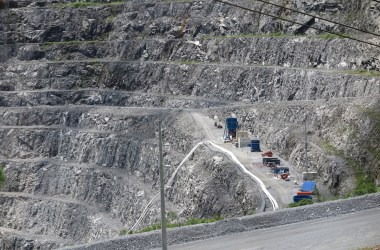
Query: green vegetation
{"x": 178, "y": 1}
{"x": 123, "y": 232}
{"x": 302, "y": 202}
{"x": 364, "y": 185}
{"x": 365, "y": 177}
{"x": 110, "y": 19}
{"x": 251, "y": 211}
{"x": 191, "y": 221}
{"x": 276, "y": 34}
{"x": 370, "y": 248}
{"x": 330, "y": 36}
{"x": 85, "y": 4}
{"x": 362, "y": 72}
{"x": 2, "y": 175}
{"x": 74, "y": 42}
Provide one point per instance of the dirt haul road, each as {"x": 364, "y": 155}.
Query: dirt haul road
{"x": 282, "y": 191}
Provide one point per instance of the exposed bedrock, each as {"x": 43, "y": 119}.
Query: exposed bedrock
{"x": 204, "y": 80}
{"x": 340, "y": 136}
{"x": 177, "y": 19}
{"x": 291, "y": 51}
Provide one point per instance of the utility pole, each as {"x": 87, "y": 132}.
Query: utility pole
{"x": 162, "y": 191}
{"x": 306, "y": 161}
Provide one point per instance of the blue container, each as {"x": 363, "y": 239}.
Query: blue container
{"x": 298, "y": 198}
{"x": 255, "y": 146}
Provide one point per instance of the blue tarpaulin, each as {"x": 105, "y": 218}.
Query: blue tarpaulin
{"x": 308, "y": 186}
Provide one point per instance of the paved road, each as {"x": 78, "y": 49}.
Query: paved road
{"x": 281, "y": 190}
{"x": 350, "y": 231}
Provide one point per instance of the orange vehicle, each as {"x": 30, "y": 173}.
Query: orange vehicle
{"x": 269, "y": 154}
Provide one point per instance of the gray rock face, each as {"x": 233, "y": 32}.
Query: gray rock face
{"x": 337, "y": 130}
{"x": 82, "y": 88}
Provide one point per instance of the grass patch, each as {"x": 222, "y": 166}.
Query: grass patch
{"x": 330, "y": 149}
{"x": 364, "y": 185}
{"x": 189, "y": 222}
{"x": 251, "y": 211}
{"x": 302, "y": 202}
{"x": 110, "y": 19}
{"x": 85, "y": 4}
{"x": 330, "y": 36}
{"x": 73, "y": 43}
{"x": 276, "y": 35}
{"x": 123, "y": 232}
{"x": 2, "y": 175}
{"x": 189, "y": 62}
{"x": 362, "y": 72}
{"x": 370, "y": 248}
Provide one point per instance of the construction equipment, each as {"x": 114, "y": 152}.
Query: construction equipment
{"x": 230, "y": 129}
{"x": 284, "y": 176}
{"x": 280, "y": 170}
{"x": 268, "y": 153}
{"x": 276, "y": 161}
{"x": 218, "y": 125}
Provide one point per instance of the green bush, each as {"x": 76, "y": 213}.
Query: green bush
{"x": 302, "y": 202}
{"x": 364, "y": 186}
{"x": 123, "y": 232}
{"x": 2, "y": 175}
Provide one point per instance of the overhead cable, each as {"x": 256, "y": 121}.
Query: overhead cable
{"x": 324, "y": 19}
{"x": 287, "y": 20}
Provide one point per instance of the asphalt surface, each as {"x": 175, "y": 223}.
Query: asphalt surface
{"x": 349, "y": 231}
{"x": 282, "y": 191}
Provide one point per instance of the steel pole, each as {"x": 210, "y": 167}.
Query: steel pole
{"x": 306, "y": 160}
{"x": 162, "y": 191}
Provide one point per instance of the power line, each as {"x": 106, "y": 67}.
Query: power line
{"x": 281, "y": 18}
{"x": 324, "y": 19}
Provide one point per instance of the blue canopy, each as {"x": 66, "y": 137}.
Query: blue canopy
{"x": 308, "y": 186}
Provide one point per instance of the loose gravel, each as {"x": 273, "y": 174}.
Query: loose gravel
{"x": 248, "y": 223}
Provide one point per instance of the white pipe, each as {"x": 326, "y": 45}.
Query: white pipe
{"x": 260, "y": 182}
{"x": 233, "y": 157}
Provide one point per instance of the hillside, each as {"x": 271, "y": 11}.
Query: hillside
{"x": 83, "y": 84}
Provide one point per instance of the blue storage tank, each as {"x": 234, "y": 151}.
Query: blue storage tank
{"x": 255, "y": 146}
{"x": 232, "y": 123}
{"x": 298, "y": 198}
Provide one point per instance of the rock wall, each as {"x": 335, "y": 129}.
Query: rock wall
{"x": 82, "y": 86}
